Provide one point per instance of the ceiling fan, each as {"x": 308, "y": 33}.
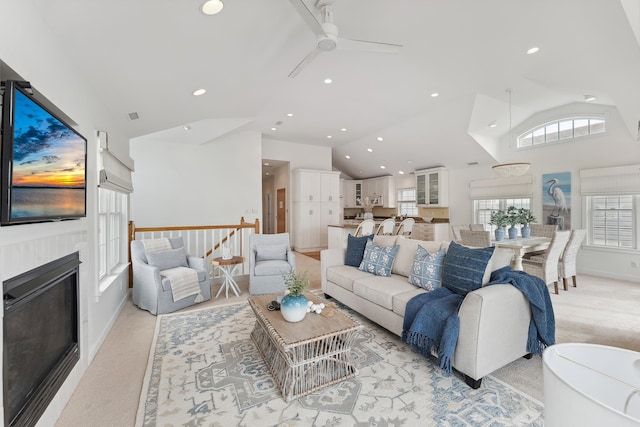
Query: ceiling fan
{"x": 327, "y": 35}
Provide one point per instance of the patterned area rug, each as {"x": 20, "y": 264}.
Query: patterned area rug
{"x": 204, "y": 370}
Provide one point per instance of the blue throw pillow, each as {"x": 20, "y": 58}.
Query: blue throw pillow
{"x": 426, "y": 270}
{"x": 378, "y": 260}
{"x": 168, "y": 259}
{"x": 355, "y": 249}
{"x": 463, "y": 268}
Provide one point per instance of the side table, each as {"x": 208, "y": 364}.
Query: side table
{"x": 228, "y": 266}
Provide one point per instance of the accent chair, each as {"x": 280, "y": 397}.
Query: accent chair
{"x": 270, "y": 258}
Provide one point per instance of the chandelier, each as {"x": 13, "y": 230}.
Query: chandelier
{"x": 511, "y": 169}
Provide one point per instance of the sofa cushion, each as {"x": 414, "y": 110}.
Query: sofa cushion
{"x": 464, "y": 268}
{"x": 344, "y": 276}
{"x": 501, "y": 258}
{"x": 378, "y": 260}
{"x": 355, "y": 249}
{"x": 381, "y": 290}
{"x": 271, "y": 252}
{"x": 400, "y": 300}
{"x": 271, "y": 267}
{"x": 170, "y": 258}
{"x": 385, "y": 241}
{"x": 427, "y": 269}
{"x": 407, "y": 249}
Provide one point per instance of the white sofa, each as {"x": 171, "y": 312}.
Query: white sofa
{"x": 494, "y": 320}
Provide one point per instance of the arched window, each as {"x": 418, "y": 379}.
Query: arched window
{"x": 560, "y": 130}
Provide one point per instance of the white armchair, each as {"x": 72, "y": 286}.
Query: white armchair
{"x": 270, "y": 257}
{"x": 153, "y": 291}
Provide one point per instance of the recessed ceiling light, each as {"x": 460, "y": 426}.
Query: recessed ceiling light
{"x": 199, "y": 92}
{"x": 401, "y": 172}
{"x": 409, "y": 161}
{"x": 212, "y": 7}
{"x": 328, "y": 81}
{"x": 266, "y": 164}
{"x": 435, "y": 95}
{"x": 492, "y": 124}
{"x": 343, "y": 129}
{"x": 383, "y": 167}
{"x": 274, "y": 129}
{"x": 533, "y": 50}
{"x": 380, "y": 138}
{"x": 347, "y": 156}
{"x": 589, "y": 98}
{"x": 267, "y": 173}
{"x": 186, "y": 127}
{"x": 329, "y": 136}
{"x": 289, "y": 114}
{"x": 370, "y": 150}
{"x": 361, "y": 171}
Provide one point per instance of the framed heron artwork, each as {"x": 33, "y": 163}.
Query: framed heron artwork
{"x": 556, "y": 199}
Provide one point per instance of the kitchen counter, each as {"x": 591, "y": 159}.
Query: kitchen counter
{"x": 337, "y": 233}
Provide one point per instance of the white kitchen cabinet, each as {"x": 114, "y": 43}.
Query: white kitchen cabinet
{"x": 351, "y": 193}
{"x": 432, "y": 187}
{"x": 381, "y": 190}
{"x": 316, "y": 204}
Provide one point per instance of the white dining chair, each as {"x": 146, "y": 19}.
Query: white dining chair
{"x": 386, "y": 227}
{"x": 365, "y": 228}
{"x": 405, "y": 227}
{"x": 546, "y": 266}
{"x": 567, "y": 263}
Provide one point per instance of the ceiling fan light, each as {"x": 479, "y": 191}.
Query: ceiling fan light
{"x": 212, "y": 7}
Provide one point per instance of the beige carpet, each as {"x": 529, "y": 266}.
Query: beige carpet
{"x": 599, "y": 311}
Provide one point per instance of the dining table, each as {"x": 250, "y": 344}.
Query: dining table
{"x": 522, "y": 246}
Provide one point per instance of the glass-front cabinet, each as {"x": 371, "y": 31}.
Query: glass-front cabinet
{"x": 432, "y": 187}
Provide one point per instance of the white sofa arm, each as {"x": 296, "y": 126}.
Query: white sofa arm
{"x": 330, "y": 258}
{"x": 494, "y": 327}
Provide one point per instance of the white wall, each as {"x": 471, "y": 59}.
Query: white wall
{"x": 615, "y": 147}
{"x": 299, "y": 156}
{"x": 184, "y": 184}
{"x": 35, "y": 55}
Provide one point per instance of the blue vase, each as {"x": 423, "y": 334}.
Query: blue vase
{"x": 499, "y": 233}
{"x": 513, "y": 233}
{"x": 526, "y": 231}
{"x": 293, "y": 307}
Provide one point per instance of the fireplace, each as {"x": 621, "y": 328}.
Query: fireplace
{"x": 40, "y": 337}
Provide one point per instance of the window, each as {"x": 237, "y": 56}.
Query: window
{"x": 568, "y": 128}
{"x": 482, "y": 209}
{"x": 407, "y": 202}
{"x": 112, "y": 226}
{"x": 613, "y": 220}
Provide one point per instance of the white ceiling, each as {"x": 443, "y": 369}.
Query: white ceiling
{"x": 147, "y": 56}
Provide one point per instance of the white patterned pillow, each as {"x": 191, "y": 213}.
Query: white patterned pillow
{"x": 378, "y": 260}
{"x": 427, "y": 269}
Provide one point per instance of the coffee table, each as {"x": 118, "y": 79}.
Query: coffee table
{"x": 307, "y": 355}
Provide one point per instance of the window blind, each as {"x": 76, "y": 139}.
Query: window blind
{"x": 502, "y": 188}
{"x": 115, "y": 171}
{"x": 613, "y": 180}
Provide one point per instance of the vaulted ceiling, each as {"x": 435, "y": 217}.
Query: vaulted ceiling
{"x": 148, "y": 56}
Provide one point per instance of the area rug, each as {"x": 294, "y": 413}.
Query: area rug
{"x": 204, "y": 370}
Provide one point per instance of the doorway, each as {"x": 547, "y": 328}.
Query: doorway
{"x": 281, "y": 210}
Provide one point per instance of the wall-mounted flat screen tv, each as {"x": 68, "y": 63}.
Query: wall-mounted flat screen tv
{"x": 43, "y": 162}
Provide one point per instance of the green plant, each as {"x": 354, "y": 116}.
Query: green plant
{"x": 526, "y": 216}
{"x": 513, "y": 216}
{"x": 499, "y": 219}
{"x": 296, "y": 283}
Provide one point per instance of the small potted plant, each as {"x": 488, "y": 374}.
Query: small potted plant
{"x": 499, "y": 219}
{"x": 294, "y": 305}
{"x": 526, "y": 218}
{"x": 513, "y": 218}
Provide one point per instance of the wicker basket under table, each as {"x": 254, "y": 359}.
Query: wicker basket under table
{"x": 304, "y": 356}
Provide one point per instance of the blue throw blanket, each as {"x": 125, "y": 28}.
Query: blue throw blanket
{"x": 431, "y": 322}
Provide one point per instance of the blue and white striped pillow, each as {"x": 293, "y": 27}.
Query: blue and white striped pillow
{"x": 464, "y": 268}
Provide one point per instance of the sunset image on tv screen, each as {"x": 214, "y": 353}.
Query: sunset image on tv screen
{"x": 48, "y": 164}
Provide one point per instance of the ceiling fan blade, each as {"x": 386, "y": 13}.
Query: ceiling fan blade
{"x": 307, "y": 59}
{"x": 368, "y": 46}
{"x": 309, "y": 17}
